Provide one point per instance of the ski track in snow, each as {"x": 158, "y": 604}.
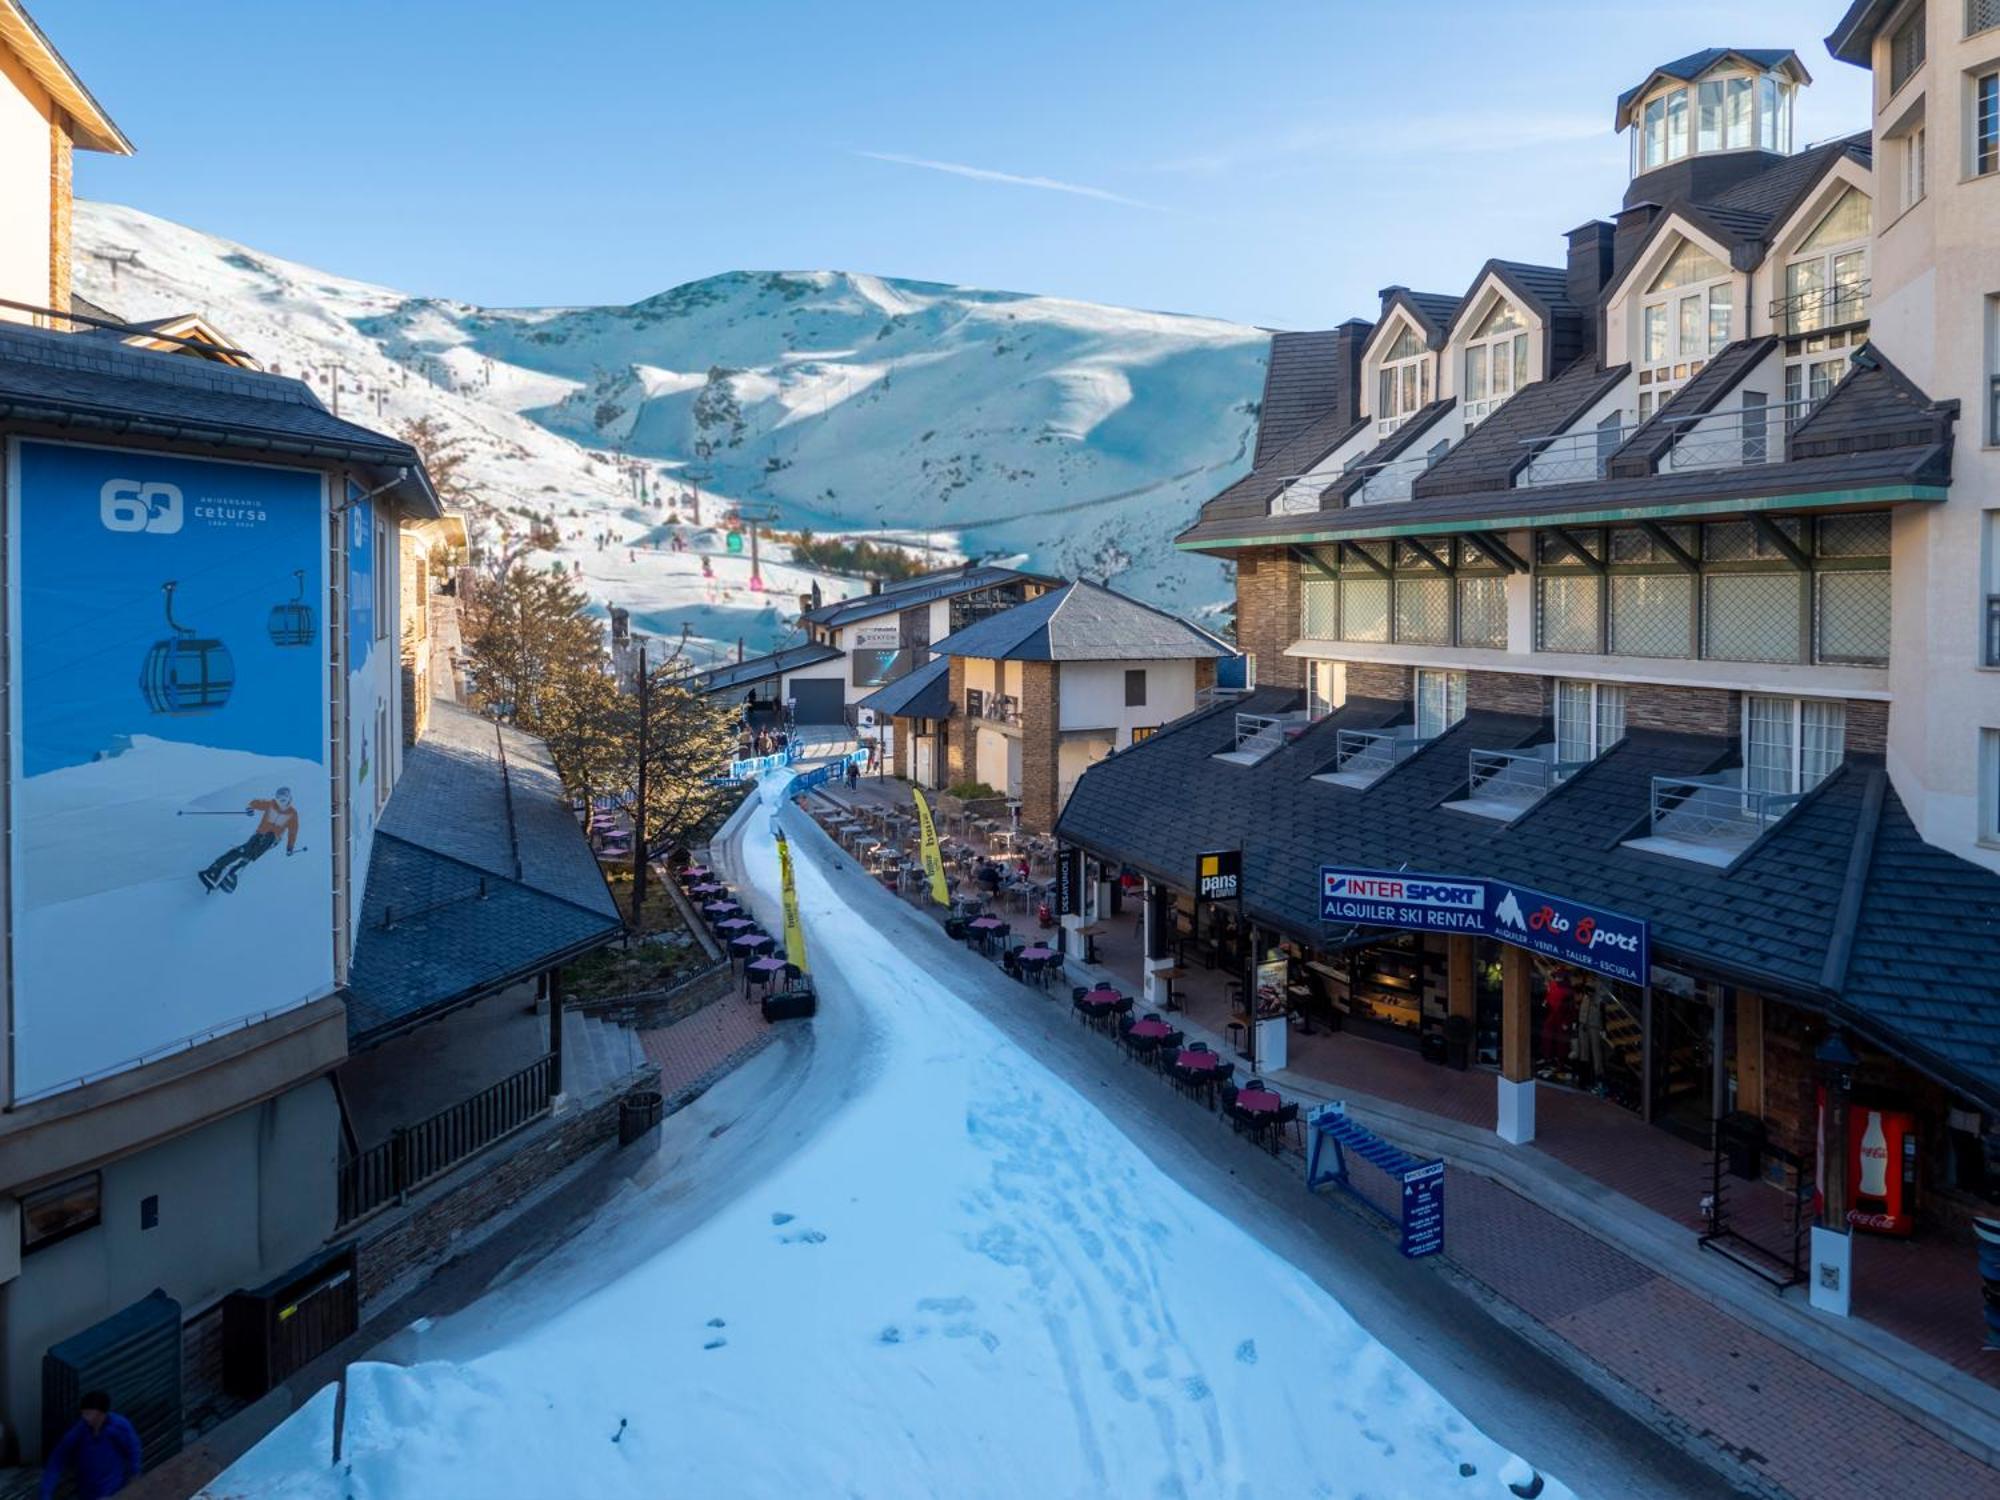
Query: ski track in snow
{"x": 966, "y": 1283}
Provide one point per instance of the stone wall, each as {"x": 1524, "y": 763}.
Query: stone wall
{"x": 1687, "y": 710}
{"x": 425, "y": 1230}
{"x": 1374, "y": 679}
{"x": 1040, "y": 713}
{"x": 1504, "y": 693}
{"x": 62, "y": 199}
{"x": 959, "y": 759}
{"x": 1867, "y": 727}
{"x": 1267, "y": 614}
{"x": 662, "y": 1007}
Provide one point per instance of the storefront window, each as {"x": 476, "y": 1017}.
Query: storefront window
{"x": 1588, "y": 1033}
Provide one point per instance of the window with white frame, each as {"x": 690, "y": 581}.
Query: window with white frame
{"x": 1725, "y": 112}
{"x": 1496, "y": 361}
{"x": 1989, "y": 786}
{"x": 1909, "y": 152}
{"x": 1683, "y": 320}
{"x": 1590, "y": 719}
{"x": 1986, "y": 124}
{"x": 1440, "y": 697}
{"x": 1326, "y": 687}
{"x": 1403, "y": 384}
{"x": 1791, "y": 744}
{"x": 1826, "y": 281}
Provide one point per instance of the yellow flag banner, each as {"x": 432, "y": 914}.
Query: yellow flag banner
{"x": 795, "y": 934}
{"x": 933, "y": 856}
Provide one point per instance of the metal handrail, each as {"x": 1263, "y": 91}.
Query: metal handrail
{"x": 1821, "y": 308}
{"x": 1571, "y": 457}
{"x": 1514, "y": 775}
{"x": 1371, "y": 752}
{"x": 1741, "y": 437}
{"x": 1715, "y": 809}
{"x": 1388, "y": 481}
{"x": 1260, "y": 734}
{"x": 1300, "y": 496}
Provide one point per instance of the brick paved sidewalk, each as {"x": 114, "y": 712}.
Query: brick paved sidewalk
{"x": 697, "y": 1050}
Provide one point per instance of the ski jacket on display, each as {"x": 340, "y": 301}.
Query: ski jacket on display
{"x": 277, "y": 820}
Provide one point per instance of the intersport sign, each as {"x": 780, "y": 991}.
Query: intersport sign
{"x": 1607, "y": 942}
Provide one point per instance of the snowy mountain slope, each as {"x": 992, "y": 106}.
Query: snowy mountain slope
{"x": 1074, "y": 437}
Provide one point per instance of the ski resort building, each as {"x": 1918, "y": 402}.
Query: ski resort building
{"x": 251, "y": 872}
{"x": 1627, "y": 637}
{"x": 854, "y": 646}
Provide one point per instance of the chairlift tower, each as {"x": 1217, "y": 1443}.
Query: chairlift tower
{"x": 754, "y": 516}
{"x": 115, "y": 256}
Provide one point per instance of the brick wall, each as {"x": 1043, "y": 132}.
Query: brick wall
{"x": 958, "y": 729}
{"x": 1267, "y": 614}
{"x": 425, "y": 1230}
{"x": 1504, "y": 693}
{"x": 1867, "y": 727}
{"x": 1204, "y": 674}
{"x": 1688, "y": 710}
{"x": 899, "y": 754}
{"x": 1790, "y": 1105}
{"x": 1374, "y": 679}
{"x": 62, "y": 198}
{"x": 1039, "y": 745}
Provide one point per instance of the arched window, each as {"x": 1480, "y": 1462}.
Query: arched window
{"x": 1496, "y": 361}
{"x": 1403, "y": 385}
{"x": 1684, "y": 319}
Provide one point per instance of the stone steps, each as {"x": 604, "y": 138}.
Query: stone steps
{"x": 598, "y": 1055}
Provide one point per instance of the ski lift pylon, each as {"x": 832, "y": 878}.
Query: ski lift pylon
{"x": 293, "y": 622}
{"x": 184, "y": 673}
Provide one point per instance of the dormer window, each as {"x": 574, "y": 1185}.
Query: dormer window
{"x": 1496, "y": 361}
{"x": 1683, "y": 321}
{"x": 1403, "y": 385}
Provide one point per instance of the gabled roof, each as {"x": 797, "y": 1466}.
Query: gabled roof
{"x": 479, "y": 876}
{"x": 1083, "y": 621}
{"x": 1544, "y": 289}
{"x": 61, "y": 380}
{"x": 1773, "y": 917}
{"x": 90, "y": 127}
{"x": 1695, "y": 64}
{"x": 924, "y": 693}
{"x": 1879, "y": 407}
{"x": 1433, "y": 311}
{"x": 925, "y": 588}
{"x": 1301, "y": 382}
{"x": 763, "y": 668}
{"x": 1489, "y": 456}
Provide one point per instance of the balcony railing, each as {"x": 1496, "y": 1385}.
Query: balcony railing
{"x": 1716, "y": 811}
{"x": 1571, "y": 457}
{"x": 1257, "y": 735}
{"x": 1516, "y": 778}
{"x": 1208, "y": 697}
{"x": 1368, "y": 753}
{"x": 1741, "y": 437}
{"x": 1993, "y": 630}
{"x": 412, "y": 1156}
{"x": 1301, "y": 496}
{"x": 1821, "y": 308}
{"x": 1389, "y": 482}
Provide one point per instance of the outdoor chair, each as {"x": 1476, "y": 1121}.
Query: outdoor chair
{"x": 1287, "y": 1116}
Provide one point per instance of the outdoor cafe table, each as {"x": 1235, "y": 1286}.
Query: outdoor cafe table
{"x": 1156, "y": 1030}
{"x": 722, "y": 908}
{"x": 751, "y": 942}
{"x": 694, "y": 874}
{"x": 1101, "y": 995}
{"x": 761, "y": 971}
{"x": 1198, "y": 1062}
{"x": 734, "y": 924}
{"x": 1258, "y": 1102}
{"x": 1037, "y": 953}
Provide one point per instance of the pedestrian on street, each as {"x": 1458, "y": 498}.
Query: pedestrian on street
{"x": 100, "y": 1445}
{"x": 853, "y": 775}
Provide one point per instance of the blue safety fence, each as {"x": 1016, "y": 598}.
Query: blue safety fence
{"x": 1333, "y": 1137}
{"x": 805, "y": 781}
{"x": 757, "y": 765}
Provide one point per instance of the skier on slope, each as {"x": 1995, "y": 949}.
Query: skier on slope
{"x": 275, "y": 815}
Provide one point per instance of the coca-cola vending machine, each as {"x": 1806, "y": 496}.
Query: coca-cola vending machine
{"x": 1881, "y": 1170}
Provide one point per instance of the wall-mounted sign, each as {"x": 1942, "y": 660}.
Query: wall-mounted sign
{"x": 1607, "y": 942}
{"x": 1069, "y": 883}
{"x": 1219, "y": 875}
{"x": 877, "y": 637}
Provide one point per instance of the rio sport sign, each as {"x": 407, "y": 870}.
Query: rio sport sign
{"x": 1607, "y": 942}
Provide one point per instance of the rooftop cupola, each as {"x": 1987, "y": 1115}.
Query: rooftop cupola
{"x": 1704, "y": 121}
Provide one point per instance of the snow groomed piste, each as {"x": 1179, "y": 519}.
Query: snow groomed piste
{"x": 948, "y": 1274}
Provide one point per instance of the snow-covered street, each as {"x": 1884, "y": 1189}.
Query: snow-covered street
{"x": 960, "y": 1279}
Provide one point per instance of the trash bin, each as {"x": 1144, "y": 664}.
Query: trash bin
{"x": 1743, "y": 1138}
{"x": 638, "y": 1112}
{"x": 1457, "y": 1042}
{"x": 1432, "y": 1045}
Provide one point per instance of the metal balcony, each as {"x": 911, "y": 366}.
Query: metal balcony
{"x": 1506, "y": 783}
{"x": 1257, "y": 735}
{"x": 1741, "y": 437}
{"x": 1820, "y": 309}
{"x": 1714, "y": 817}
{"x": 1361, "y": 755}
{"x": 1570, "y": 457}
{"x": 1389, "y": 482}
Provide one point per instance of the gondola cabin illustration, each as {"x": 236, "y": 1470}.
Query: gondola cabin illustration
{"x": 185, "y": 673}
{"x": 293, "y": 622}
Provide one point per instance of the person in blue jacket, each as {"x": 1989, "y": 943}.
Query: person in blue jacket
{"x": 100, "y": 1445}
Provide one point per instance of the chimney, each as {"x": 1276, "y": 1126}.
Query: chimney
{"x": 1633, "y": 225}
{"x": 875, "y": 585}
{"x": 1590, "y": 269}
{"x": 1348, "y": 340}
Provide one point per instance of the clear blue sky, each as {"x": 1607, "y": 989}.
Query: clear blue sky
{"x": 1273, "y": 163}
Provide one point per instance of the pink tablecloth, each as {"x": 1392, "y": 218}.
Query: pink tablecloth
{"x": 1037, "y": 951}
{"x": 1199, "y": 1062}
{"x": 1151, "y": 1028}
{"x": 766, "y": 965}
{"x": 985, "y": 924}
{"x": 1258, "y": 1101}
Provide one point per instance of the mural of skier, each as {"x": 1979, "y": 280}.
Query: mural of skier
{"x": 279, "y": 819}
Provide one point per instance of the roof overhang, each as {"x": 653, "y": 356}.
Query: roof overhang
{"x": 89, "y": 126}
{"x": 1586, "y": 514}
{"x": 1853, "y": 39}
